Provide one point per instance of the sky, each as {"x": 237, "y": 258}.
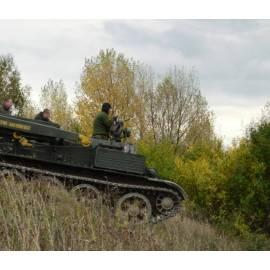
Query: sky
{"x": 231, "y": 57}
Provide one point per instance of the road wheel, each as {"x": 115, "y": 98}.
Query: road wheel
{"x": 87, "y": 193}
{"x": 134, "y": 208}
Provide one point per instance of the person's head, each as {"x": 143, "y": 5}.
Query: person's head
{"x": 7, "y": 104}
{"x": 106, "y": 107}
{"x": 46, "y": 114}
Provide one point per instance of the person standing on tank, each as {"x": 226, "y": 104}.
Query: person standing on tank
{"x": 103, "y": 122}
{"x": 6, "y": 107}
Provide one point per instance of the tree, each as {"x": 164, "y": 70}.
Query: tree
{"x": 177, "y": 111}
{"x": 109, "y": 77}
{"x": 30, "y": 108}
{"x": 144, "y": 85}
{"x": 10, "y": 83}
{"x": 54, "y": 97}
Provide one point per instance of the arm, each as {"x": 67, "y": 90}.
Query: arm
{"x": 107, "y": 122}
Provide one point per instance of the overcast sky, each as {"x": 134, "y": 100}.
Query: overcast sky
{"x": 231, "y": 57}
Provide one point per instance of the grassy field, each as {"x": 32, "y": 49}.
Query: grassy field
{"x": 40, "y": 216}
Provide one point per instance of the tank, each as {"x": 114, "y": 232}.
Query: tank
{"x": 94, "y": 168}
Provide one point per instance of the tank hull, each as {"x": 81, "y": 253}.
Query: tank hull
{"x": 106, "y": 169}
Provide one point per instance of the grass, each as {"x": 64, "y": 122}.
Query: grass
{"x": 39, "y": 216}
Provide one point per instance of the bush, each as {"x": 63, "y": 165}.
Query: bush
{"x": 198, "y": 170}
{"x": 229, "y": 187}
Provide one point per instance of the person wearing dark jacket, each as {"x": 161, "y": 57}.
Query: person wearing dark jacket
{"x": 44, "y": 116}
{"x": 102, "y": 122}
{"x": 6, "y": 106}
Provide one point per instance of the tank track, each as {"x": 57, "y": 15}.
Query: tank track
{"x": 115, "y": 189}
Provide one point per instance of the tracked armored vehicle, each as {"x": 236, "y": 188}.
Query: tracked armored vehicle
{"x": 98, "y": 169}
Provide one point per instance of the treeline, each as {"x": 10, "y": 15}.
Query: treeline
{"x": 171, "y": 108}
{"x": 173, "y": 126}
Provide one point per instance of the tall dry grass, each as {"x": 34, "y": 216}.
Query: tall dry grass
{"x": 39, "y": 216}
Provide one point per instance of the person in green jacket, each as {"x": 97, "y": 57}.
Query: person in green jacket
{"x": 103, "y": 122}
{"x": 6, "y": 107}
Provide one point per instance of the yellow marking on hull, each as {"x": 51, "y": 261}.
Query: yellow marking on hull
{"x": 10, "y": 124}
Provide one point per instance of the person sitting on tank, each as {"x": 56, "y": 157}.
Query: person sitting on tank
{"x": 103, "y": 122}
{"x": 45, "y": 116}
{"x": 6, "y": 107}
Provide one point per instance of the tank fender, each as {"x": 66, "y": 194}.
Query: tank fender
{"x": 175, "y": 186}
